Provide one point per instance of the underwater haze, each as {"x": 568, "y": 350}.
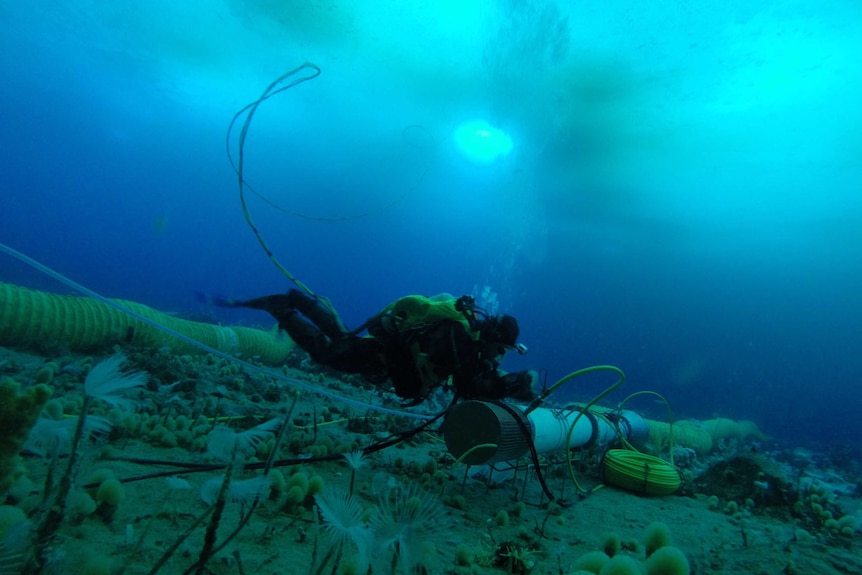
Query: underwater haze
{"x": 680, "y": 195}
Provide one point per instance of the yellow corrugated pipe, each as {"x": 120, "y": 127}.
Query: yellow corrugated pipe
{"x": 28, "y": 317}
{"x": 702, "y": 436}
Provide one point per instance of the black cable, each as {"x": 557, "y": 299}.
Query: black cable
{"x": 518, "y": 417}
{"x": 187, "y": 467}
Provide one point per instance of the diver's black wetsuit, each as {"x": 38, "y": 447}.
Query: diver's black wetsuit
{"x": 410, "y": 359}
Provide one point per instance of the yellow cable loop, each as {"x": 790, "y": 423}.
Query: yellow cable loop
{"x": 584, "y": 409}
{"x": 475, "y": 448}
{"x": 669, "y": 418}
{"x": 640, "y": 472}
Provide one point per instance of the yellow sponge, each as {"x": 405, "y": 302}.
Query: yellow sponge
{"x": 18, "y": 414}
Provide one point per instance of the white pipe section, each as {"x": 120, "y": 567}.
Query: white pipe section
{"x": 551, "y": 427}
{"x": 484, "y": 432}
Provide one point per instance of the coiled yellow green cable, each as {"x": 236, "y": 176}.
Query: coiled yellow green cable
{"x": 639, "y": 472}
{"x": 626, "y": 468}
{"x": 630, "y": 469}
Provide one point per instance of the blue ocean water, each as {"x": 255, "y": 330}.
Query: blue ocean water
{"x": 683, "y": 196}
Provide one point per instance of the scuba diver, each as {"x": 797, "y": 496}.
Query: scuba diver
{"x": 416, "y": 344}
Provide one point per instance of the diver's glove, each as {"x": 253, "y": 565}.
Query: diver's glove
{"x": 519, "y": 386}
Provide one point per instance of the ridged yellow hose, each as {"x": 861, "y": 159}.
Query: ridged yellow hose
{"x": 703, "y": 436}
{"x": 29, "y": 317}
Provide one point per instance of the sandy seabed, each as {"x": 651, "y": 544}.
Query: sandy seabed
{"x": 462, "y": 528}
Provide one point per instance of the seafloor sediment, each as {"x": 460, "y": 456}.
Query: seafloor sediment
{"x": 145, "y": 489}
